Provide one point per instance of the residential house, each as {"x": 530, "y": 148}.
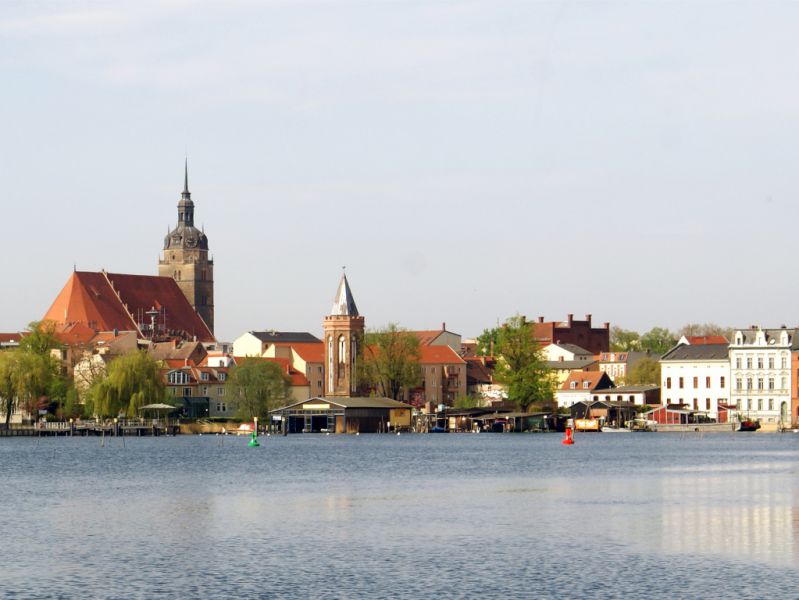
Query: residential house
{"x": 581, "y": 386}
{"x": 618, "y": 364}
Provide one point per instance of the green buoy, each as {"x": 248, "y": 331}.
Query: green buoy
{"x": 254, "y": 439}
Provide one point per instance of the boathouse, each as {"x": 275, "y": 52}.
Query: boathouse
{"x": 343, "y": 415}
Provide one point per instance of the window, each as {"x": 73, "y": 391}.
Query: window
{"x": 696, "y": 404}
{"x": 696, "y": 382}
{"x": 722, "y": 382}
{"x": 739, "y": 384}
{"x": 738, "y": 404}
{"x": 186, "y": 392}
{"x": 771, "y": 403}
{"x": 770, "y": 362}
{"x": 585, "y": 385}
{"x": 573, "y": 385}
{"x": 738, "y": 363}
{"x": 760, "y": 383}
{"x": 759, "y": 362}
{"x": 749, "y": 404}
{"x": 749, "y": 363}
{"x": 707, "y": 403}
{"x": 760, "y": 404}
{"x": 668, "y": 383}
{"x": 681, "y": 383}
{"x": 707, "y": 382}
{"x": 222, "y": 376}
{"x": 748, "y": 383}
{"x": 204, "y": 376}
{"x": 178, "y": 378}
{"x": 220, "y": 391}
{"x": 771, "y": 383}
{"x": 784, "y": 384}
{"x": 205, "y": 390}
{"x": 784, "y": 363}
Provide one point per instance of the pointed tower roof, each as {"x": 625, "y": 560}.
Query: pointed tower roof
{"x": 344, "y": 303}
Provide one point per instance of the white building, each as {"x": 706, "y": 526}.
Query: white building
{"x": 696, "y": 375}
{"x": 760, "y": 365}
{"x": 566, "y": 353}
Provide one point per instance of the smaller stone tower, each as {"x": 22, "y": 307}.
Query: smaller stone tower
{"x": 344, "y": 329}
{"x": 186, "y": 259}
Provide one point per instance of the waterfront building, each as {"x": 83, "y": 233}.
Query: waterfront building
{"x": 639, "y": 395}
{"x": 571, "y": 331}
{"x": 760, "y": 365}
{"x": 697, "y": 376}
{"x": 198, "y": 391}
{"x": 185, "y": 259}
{"x": 581, "y": 386}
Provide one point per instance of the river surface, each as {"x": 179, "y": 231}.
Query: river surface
{"x": 411, "y": 516}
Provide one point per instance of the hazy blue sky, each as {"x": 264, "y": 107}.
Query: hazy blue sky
{"x": 466, "y": 160}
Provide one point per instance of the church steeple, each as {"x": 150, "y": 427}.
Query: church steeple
{"x": 186, "y": 258}
{"x": 344, "y": 328}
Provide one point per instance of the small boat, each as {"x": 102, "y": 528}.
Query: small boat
{"x": 749, "y": 425}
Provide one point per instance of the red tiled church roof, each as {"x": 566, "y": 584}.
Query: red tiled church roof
{"x": 108, "y": 301}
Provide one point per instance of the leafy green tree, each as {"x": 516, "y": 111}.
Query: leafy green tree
{"x": 464, "y": 401}
{"x": 32, "y": 378}
{"x": 39, "y": 338}
{"x": 699, "y": 329}
{"x": 624, "y": 340}
{"x": 257, "y": 385}
{"x": 390, "y": 362}
{"x": 131, "y": 381}
{"x": 487, "y": 341}
{"x": 645, "y": 371}
{"x": 8, "y": 390}
{"x": 658, "y": 340}
{"x": 521, "y": 367}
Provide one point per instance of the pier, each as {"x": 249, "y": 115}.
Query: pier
{"x": 128, "y": 427}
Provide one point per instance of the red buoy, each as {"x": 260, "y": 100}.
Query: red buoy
{"x": 569, "y": 439}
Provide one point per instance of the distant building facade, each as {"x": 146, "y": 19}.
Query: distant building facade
{"x": 696, "y": 376}
{"x": 571, "y": 331}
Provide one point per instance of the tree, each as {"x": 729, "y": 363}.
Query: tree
{"x": 658, "y": 340}
{"x": 645, "y": 371}
{"x": 463, "y": 402}
{"x": 32, "y": 377}
{"x": 39, "y": 338}
{"x": 520, "y": 366}
{"x": 487, "y": 341}
{"x": 257, "y": 385}
{"x": 130, "y": 382}
{"x": 705, "y": 329}
{"x": 624, "y": 340}
{"x": 8, "y": 391}
{"x": 390, "y": 362}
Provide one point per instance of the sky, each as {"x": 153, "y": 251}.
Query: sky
{"x": 465, "y": 160}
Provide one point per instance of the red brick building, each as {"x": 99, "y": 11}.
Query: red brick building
{"x": 581, "y": 333}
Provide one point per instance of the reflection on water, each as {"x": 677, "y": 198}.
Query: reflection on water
{"x": 414, "y": 516}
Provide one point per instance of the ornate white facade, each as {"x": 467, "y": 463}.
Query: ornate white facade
{"x": 760, "y": 372}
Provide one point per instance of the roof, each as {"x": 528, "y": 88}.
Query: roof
{"x": 10, "y": 338}
{"x": 574, "y": 349}
{"x": 309, "y": 352}
{"x": 164, "y": 350}
{"x": 107, "y": 301}
{"x": 593, "y": 378}
{"x": 286, "y": 337}
{"x": 74, "y": 333}
{"x": 683, "y": 352}
{"x": 568, "y": 365}
{"x": 344, "y": 303}
{"x": 347, "y": 402}
{"x": 439, "y": 355}
{"x": 476, "y": 371}
{"x": 772, "y": 335}
{"x": 698, "y": 340}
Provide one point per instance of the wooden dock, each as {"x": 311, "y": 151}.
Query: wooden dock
{"x": 136, "y": 428}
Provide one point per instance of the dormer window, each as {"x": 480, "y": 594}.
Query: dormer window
{"x": 204, "y": 376}
{"x": 585, "y": 385}
{"x": 573, "y": 385}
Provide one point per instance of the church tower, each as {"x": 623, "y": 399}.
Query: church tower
{"x": 186, "y": 259}
{"x": 343, "y": 338}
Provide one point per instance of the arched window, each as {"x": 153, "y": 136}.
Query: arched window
{"x": 330, "y": 364}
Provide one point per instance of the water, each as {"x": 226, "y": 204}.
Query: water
{"x": 411, "y": 516}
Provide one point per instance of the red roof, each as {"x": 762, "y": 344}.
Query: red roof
{"x": 6, "y": 338}
{"x": 309, "y": 352}
{"x": 108, "y": 301}
{"x": 428, "y": 336}
{"x": 700, "y": 340}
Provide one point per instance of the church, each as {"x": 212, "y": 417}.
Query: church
{"x": 178, "y": 304}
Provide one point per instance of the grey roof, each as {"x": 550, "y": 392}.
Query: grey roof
{"x": 568, "y": 364}
{"x": 700, "y": 352}
{"x": 344, "y": 303}
{"x": 348, "y": 402}
{"x": 574, "y": 349}
{"x": 277, "y": 337}
{"x": 771, "y": 334}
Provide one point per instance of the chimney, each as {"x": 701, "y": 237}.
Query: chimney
{"x": 444, "y": 326}
{"x": 570, "y": 318}
{"x": 588, "y": 318}
{"x": 606, "y": 325}
{"x": 540, "y": 319}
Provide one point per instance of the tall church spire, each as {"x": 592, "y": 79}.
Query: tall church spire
{"x": 344, "y": 304}
{"x": 186, "y": 192}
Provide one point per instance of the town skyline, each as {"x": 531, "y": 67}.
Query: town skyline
{"x": 490, "y": 158}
